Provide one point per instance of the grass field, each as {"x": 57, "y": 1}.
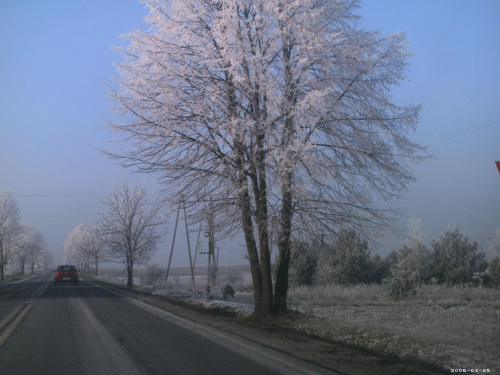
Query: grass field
{"x": 455, "y": 327}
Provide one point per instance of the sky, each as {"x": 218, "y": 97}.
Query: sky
{"x": 56, "y": 62}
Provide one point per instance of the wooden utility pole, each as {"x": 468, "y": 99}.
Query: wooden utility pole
{"x": 198, "y": 245}
{"x": 172, "y": 248}
{"x": 189, "y": 246}
{"x": 173, "y": 243}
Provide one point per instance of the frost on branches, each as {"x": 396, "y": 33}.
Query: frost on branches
{"x": 279, "y": 111}
{"x": 130, "y": 226}
{"x": 28, "y": 247}
{"x": 85, "y": 245}
{"x": 10, "y": 215}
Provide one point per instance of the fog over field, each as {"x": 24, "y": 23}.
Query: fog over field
{"x": 56, "y": 63}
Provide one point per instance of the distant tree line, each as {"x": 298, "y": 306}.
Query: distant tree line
{"x": 451, "y": 259}
{"x": 20, "y": 245}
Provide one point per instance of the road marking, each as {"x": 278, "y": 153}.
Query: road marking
{"x": 4, "y": 322}
{"x": 20, "y": 316}
{"x": 15, "y": 323}
{"x": 40, "y": 290}
{"x": 106, "y": 350}
{"x": 20, "y": 281}
{"x": 108, "y": 290}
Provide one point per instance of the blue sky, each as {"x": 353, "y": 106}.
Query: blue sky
{"x": 55, "y": 62}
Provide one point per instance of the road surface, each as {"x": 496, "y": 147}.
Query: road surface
{"x": 87, "y": 329}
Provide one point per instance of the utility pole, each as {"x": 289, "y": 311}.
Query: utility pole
{"x": 189, "y": 246}
{"x": 172, "y": 248}
{"x": 173, "y": 242}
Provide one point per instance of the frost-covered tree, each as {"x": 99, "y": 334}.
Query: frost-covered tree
{"x": 347, "y": 261}
{"x": 279, "y": 110}
{"x": 494, "y": 271}
{"x": 96, "y": 248}
{"x": 28, "y": 247}
{"x": 303, "y": 263}
{"x": 404, "y": 280}
{"x": 73, "y": 246}
{"x": 84, "y": 244}
{"x": 47, "y": 258}
{"x": 35, "y": 256}
{"x": 10, "y": 215}
{"x": 456, "y": 258}
{"x": 410, "y": 266}
{"x": 131, "y": 226}
{"x": 495, "y": 244}
{"x": 415, "y": 255}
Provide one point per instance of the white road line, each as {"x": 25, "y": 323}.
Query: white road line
{"x": 20, "y": 281}
{"x": 14, "y": 324}
{"x": 6, "y": 321}
{"x": 105, "y": 350}
{"x": 27, "y": 306}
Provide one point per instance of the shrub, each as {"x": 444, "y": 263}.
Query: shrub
{"x": 227, "y": 291}
{"x": 153, "y": 271}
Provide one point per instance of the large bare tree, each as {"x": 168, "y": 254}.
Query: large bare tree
{"x": 10, "y": 215}
{"x": 131, "y": 226}
{"x": 280, "y": 111}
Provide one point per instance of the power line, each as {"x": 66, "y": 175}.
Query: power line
{"x": 58, "y": 195}
{"x": 481, "y": 125}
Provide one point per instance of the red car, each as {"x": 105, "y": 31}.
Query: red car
{"x": 66, "y": 274}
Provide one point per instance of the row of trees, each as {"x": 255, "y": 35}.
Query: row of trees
{"x": 451, "y": 259}
{"x": 128, "y": 231}
{"x": 19, "y": 243}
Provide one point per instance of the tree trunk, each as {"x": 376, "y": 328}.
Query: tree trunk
{"x": 263, "y": 300}
{"x": 284, "y": 246}
{"x": 253, "y": 256}
{"x": 96, "y": 266}
{"x": 130, "y": 274}
{"x": 2, "y": 263}
{"x": 260, "y": 192}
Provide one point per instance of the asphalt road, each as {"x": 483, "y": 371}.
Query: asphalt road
{"x": 87, "y": 329}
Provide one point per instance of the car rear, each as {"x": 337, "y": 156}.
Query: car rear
{"x": 66, "y": 274}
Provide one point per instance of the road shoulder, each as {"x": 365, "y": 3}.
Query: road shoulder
{"x": 280, "y": 334}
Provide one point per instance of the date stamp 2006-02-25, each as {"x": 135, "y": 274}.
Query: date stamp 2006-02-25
{"x": 471, "y": 370}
